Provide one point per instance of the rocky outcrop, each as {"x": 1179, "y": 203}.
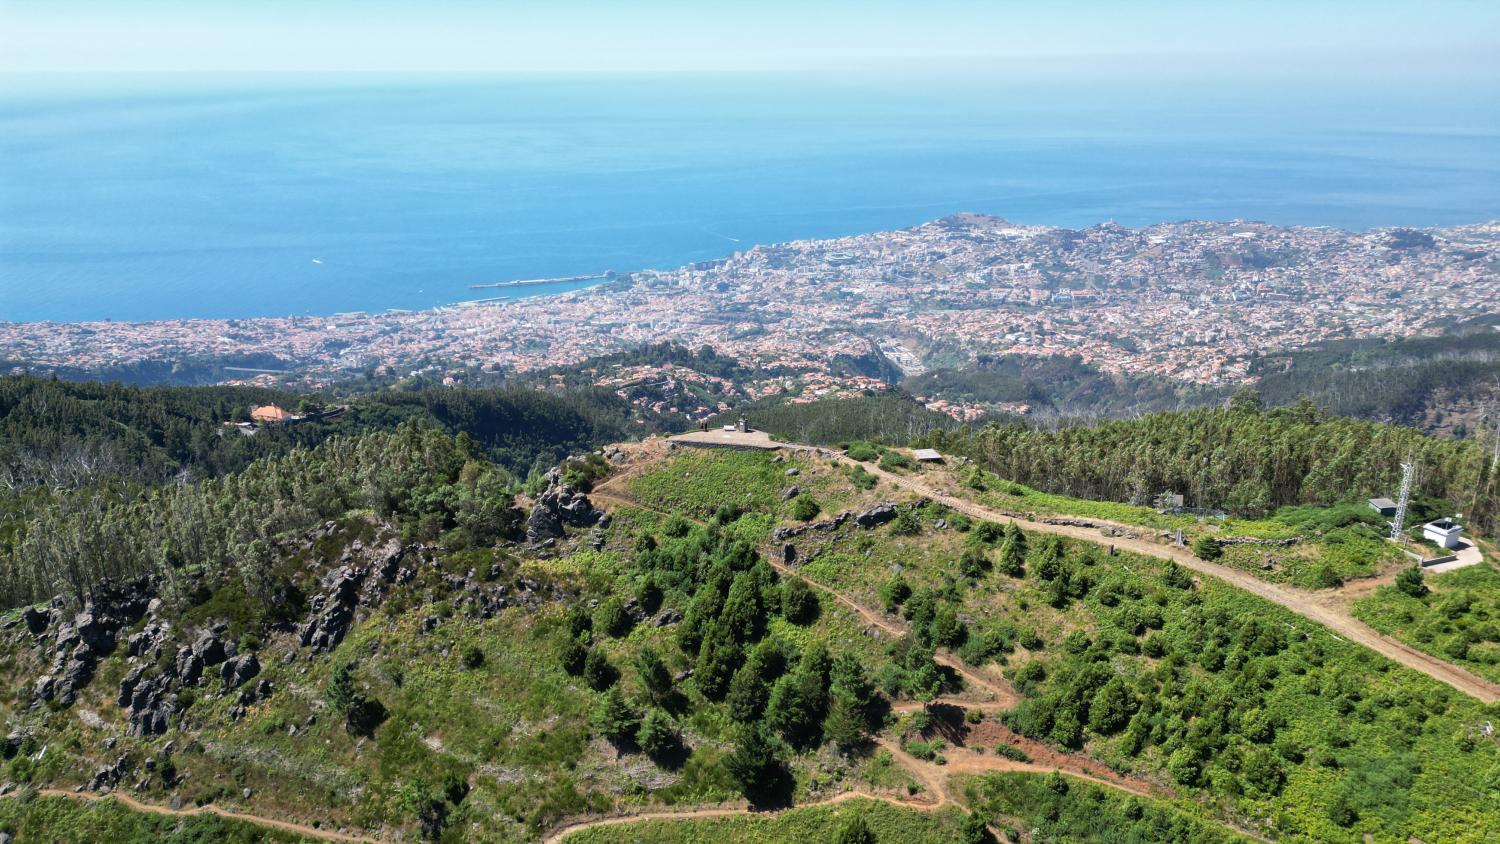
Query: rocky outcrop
{"x": 543, "y": 524}
{"x": 876, "y": 516}
{"x": 782, "y": 534}
{"x": 559, "y": 505}
{"x": 334, "y": 608}
{"x": 239, "y": 671}
{"x": 148, "y": 702}
{"x": 79, "y": 644}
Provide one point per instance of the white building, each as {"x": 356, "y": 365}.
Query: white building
{"x": 1443, "y": 532}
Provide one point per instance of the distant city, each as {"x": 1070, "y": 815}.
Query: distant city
{"x": 1193, "y": 301}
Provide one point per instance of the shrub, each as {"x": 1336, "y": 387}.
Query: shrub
{"x": 655, "y": 678}
{"x": 597, "y": 671}
{"x": 611, "y": 618}
{"x": 973, "y": 563}
{"x": 856, "y": 831}
{"x": 341, "y": 693}
{"x": 805, "y": 508}
{"x": 755, "y": 765}
{"x": 574, "y": 655}
{"x": 798, "y": 603}
{"x": 894, "y": 592}
{"x": 1013, "y": 753}
{"x": 895, "y": 461}
{"x": 862, "y": 451}
{"x": 1328, "y": 578}
{"x": 1207, "y": 547}
{"x": 906, "y": 523}
{"x": 988, "y": 532}
{"x": 473, "y": 657}
{"x": 1410, "y": 582}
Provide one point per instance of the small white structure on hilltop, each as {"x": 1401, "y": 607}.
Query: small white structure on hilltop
{"x": 927, "y": 455}
{"x": 1443, "y": 532}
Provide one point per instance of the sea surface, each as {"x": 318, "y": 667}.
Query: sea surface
{"x": 142, "y": 198}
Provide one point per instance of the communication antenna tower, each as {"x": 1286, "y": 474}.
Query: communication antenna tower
{"x": 1408, "y": 469}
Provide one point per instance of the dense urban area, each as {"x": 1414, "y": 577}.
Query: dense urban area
{"x": 1197, "y": 302}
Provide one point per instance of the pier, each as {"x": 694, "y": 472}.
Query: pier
{"x": 531, "y": 281}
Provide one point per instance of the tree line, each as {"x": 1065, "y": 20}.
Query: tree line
{"x": 1241, "y": 458}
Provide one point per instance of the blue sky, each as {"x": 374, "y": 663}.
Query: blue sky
{"x": 1351, "y": 37}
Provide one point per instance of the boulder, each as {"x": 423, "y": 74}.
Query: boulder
{"x": 189, "y": 666}
{"x": 36, "y": 620}
{"x": 667, "y": 617}
{"x": 150, "y": 705}
{"x": 543, "y": 524}
{"x": 790, "y": 492}
{"x": 210, "y": 649}
{"x": 239, "y": 671}
{"x": 876, "y": 516}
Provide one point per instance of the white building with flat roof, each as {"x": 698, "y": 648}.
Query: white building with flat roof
{"x": 1443, "y": 532}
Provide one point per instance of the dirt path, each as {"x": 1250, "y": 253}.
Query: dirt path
{"x": 1329, "y": 612}
{"x": 151, "y": 808}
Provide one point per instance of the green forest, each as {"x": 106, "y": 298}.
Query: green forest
{"x": 1242, "y": 459}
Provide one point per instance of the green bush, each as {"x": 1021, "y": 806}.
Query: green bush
{"x": 895, "y": 461}
{"x": 805, "y": 508}
{"x": 1207, "y": 547}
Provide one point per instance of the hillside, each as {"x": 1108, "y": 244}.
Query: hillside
{"x": 378, "y": 638}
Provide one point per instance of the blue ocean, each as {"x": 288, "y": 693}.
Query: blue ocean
{"x": 141, "y": 198}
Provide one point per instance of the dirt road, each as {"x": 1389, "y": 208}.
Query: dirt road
{"x": 1329, "y": 613}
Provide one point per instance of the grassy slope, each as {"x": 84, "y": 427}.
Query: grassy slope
{"x": 810, "y": 825}
{"x": 60, "y": 819}
{"x": 1388, "y": 740}
{"x": 1458, "y": 620}
{"x": 1061, "y": 810}
{"x": 1349, "y": 553}
{"x": 516, "y": 727}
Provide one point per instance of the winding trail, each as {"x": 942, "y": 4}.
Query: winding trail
{"x": 1328, "y": 612}
{"x": 154, "y": 809}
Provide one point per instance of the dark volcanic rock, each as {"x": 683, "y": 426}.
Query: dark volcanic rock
{"x": 543, "y": 524}
{"x": 238, "y": 671}
{"x": 36, "y": 620}
{"x": 668, "y": 617}
{"x": 558, "y": 505}
{"x": 150, "y": 704}
{"x": 335, "y": 609}
{"x": 876, "y": 516}
{"x": 189, "y": 666}
{"x": 210, "y": 649}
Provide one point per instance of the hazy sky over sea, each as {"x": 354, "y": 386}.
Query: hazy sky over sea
{"x": 1340, "y": 37}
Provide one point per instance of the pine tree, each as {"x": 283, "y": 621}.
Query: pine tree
{"x": 614, "y": 718}
{"x": 654, "y": 677}
{"x": 597, "y": 671}
{"x": 755, "y": 765}
{"x": 657, "y": 735}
